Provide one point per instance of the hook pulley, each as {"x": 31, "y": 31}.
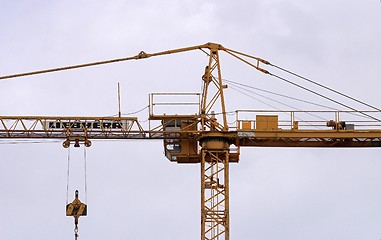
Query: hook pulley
{"x": 76, "y": 141}
{"x": 76, "y": 209}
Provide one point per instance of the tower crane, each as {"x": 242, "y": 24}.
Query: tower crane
{"x": 204, "y": 137}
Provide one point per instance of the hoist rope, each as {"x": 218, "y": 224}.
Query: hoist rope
{"x": 325, "y": 87}
{"x": 85, "y": 160}
{"x": 68, "y": 176}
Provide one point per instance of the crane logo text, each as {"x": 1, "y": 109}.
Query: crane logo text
{"x": 86, "y": 124}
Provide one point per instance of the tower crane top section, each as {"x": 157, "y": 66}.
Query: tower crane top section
{"x": 184, "y": 134}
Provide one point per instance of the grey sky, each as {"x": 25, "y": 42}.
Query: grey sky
{"x": 133, "y": 191}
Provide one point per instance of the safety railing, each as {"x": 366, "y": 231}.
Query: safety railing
{"x": 307, "y": 120}
{"x": 174, "y": 104}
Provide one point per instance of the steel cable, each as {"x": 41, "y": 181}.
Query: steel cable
{"x": 85, "y": 160}
{"x": 325, "y": 97}
{"x": 285, "y": 96}
{"x": 325, "y": 87}
{"x": 276, "y": 102}
{"x": 278, "y": 94}
{"x": 68, "y": 176}
{"x": 309, "y": 80}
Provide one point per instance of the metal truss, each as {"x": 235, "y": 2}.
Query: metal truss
{"x": 215, "y": 194}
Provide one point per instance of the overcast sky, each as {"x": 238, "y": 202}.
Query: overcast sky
{"x": 134, "y": 192}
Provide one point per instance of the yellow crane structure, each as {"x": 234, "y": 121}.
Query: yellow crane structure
{"x": 204, "y": 137}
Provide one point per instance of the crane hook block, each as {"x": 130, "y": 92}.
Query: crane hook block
{"x": 76, "y": 208}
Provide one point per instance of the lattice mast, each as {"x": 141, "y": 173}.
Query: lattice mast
{"x": 214, "y": 155}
